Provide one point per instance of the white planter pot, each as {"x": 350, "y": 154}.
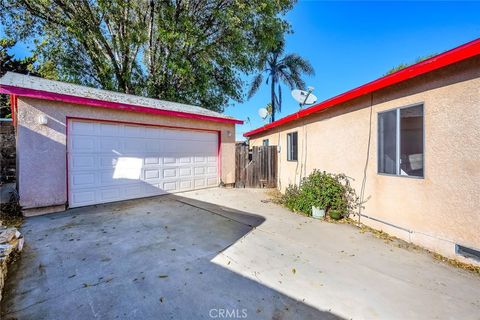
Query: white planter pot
{"x": 318, "y": 213}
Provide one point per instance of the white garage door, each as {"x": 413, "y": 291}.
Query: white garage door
{"x": 112, "y": 161}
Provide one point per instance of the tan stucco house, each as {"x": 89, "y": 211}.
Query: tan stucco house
{"x": 80, "y": 146}
{"x": 411, "y": 143}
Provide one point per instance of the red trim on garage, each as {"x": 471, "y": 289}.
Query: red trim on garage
{"x": 45, "y": 95}
{"x": 68, "y": 118}
{"x": 66, "y": 160}
{"x": 458, "y": 54}
{"x": 140, "y": 124}
{"x": 13, "y": 108}
{"x": 219, "y": 152}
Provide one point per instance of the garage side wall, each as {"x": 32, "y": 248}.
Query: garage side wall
{"x": 42, "y": 148}
{"x": 437, "y": 211}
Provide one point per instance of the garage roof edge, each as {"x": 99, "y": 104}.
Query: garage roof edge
{"x": 35, "y": 87}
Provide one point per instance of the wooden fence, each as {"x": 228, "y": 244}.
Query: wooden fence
{"x": 256, "y": 168}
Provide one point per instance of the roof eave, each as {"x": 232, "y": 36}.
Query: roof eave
{"x": 45, "y": 95}
{"x": 452, "y": 56}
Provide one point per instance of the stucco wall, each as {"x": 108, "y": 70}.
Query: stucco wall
{"x": 42, "y": 149}
{"x": 437, "y": 211}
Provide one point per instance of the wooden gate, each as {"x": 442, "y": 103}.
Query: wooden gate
{"x": 256, "y": 167}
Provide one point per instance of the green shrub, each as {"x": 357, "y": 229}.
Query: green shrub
{"x": 335, "y": 214}
{"x": 331, "y": 192}
{"x": 11, "y": 212}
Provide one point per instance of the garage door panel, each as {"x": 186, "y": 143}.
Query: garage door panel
{"x": 199, "y": 171}
{"x": 83, "y": 197}
{"x": 110, "y": 145}
{"x": 212, "y": 181}
{"x": 83, "y": 162}
{"x": 83, "y": 179}
{"x": 170, "y": 186}
{"x": 152, "y": 133}
{"x": 169, "y": 173}
{"x": 108, "y": 130}
{"x": 83, "y": 128}
{"x": 174, "y": 147}
{"x": 153, "y": 146}
{"x": 107, "y": 162}
{"x": 185, "y": 172}
{"x": 84, "y": 144}
{"x": 151, "y": 161}
{"x": 200, "y": 159}
{"x": 186, "y": 185}
{"x": 169, "y": 160}
{"x": 134, "y": 191}
{"x": 152, "y": 174}
{"x": 199, "y": 183}
{"x": 185, "y": 160}
{"x": 211, "y": 170}
{"x": 110, "y": 194}
{"x": 133, "y": 145}
{"x": 134, "y": 131}
{"x": 112, "y": 162}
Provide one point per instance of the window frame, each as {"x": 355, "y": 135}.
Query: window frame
{"x": 398, "y": 141}
{"x": 289, "y": 147}
{"x": 267, "y": 144}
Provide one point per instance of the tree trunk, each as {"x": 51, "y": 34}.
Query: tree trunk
{"x": 151, "y": 58}
{"x": 272, "y": 118}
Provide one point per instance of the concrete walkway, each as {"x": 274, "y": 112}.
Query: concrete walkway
{"x": 227, "y": 252}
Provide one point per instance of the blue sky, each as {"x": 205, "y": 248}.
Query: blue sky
{"x": 351, "y": 43}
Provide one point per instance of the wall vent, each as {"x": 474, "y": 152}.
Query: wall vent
{"x": 467, "y": 252}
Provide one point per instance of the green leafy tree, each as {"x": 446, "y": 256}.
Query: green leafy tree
{"x": 9, "y": 63}
{"x": 88, "y": 42}
{"x": 402, "y": 66}
{"x": 191, "y": 51}
{"x": 279, "y": 67}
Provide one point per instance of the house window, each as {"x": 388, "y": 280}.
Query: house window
{"x": 292, "y": 146}
{"x": 400, "y": 142}
{"x": 265, "y": 142}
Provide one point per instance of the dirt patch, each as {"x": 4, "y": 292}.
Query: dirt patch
{"x": 11, "y": 214}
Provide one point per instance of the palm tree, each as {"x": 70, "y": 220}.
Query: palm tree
{"x": 279, "y": 67}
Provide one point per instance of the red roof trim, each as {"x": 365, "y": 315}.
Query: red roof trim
{"x": 457, "y": 54}
{"x": 45, "y": 95}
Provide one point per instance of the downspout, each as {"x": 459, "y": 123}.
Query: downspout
{"x": 279, "y": 159}
{"x": 364, "y": 179}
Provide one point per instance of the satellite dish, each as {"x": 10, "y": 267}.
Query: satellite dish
{"x": 263, "y": 113}
{"x": 304, "y": 97}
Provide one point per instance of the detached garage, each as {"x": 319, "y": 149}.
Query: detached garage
{"x": 79, "y": 146}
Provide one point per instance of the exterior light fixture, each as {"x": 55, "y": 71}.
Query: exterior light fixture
{"x": 42, "y": 120}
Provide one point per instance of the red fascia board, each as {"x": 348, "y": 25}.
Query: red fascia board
{"x": 45, "y": 95}
{"x": 13, "y": 108}
{"x": 457, "y": 54}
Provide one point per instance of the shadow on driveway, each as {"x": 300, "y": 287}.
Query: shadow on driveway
{"x": 140, "y": 259}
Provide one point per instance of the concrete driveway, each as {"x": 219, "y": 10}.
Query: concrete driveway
{"x": 223, "y": 253}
